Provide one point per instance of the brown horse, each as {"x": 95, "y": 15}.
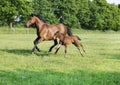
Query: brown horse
{"x": 46, "y": 31}
{"x": 66, "y": 40}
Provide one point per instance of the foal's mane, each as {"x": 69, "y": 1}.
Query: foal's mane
{"x": 61, "y": 34}
{"x": 40, "y": 17}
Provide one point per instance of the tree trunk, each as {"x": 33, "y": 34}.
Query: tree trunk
{"x": 11, "y": 25}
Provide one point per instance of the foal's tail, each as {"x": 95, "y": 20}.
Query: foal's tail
{"x": 68, "y": 31}
{"x": 78, "y": 37}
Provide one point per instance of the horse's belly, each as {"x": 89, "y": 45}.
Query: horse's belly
{"x": 48, "y": 38}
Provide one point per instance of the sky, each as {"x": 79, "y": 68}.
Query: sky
{"x": 113, "y": 1}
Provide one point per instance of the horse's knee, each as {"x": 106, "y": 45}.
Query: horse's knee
{"x": 37, "y": 41}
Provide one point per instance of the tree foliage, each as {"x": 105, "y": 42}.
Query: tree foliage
{"x": 86, "y": 14}
{"x": 104, "y": 15}
{"x": 10, "y": 8}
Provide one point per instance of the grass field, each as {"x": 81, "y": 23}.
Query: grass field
{"x": 99, "y": 66}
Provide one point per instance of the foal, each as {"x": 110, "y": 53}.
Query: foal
{"x": 66, "y": 40}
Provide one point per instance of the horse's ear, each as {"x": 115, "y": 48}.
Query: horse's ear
{"x": 32, "y": 15}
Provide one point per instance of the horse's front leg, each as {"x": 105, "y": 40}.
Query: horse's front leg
{"x": 65, "y": 50}
{"x": 36, "y": 41}
{"x": 55, "y": 43}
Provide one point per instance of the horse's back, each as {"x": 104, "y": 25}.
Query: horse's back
{"x": 72, "y": 38}
{"x": 61, "y": 28}
{"x": 48, "y": 31}
{"x": 57, "y": 27}
{"x": 68, "y": 39}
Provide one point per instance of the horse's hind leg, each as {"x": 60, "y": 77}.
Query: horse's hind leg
{"x": 37, "y": 49}
{"x": 77, "y": 45}
{"x": 55, "y": 43}
{"x": 36, "y": 41}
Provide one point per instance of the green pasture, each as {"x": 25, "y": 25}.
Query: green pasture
{"x": 99, "y": 66}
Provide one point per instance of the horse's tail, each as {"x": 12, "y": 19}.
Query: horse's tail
{"x": 68, "y": 31}
{"x": 78, "y": 37}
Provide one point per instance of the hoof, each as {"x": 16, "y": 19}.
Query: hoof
{"x": 32, "y": 52}
{"x": 38, "y": 50}
{"x": 82, "y": 55}
{"x": 49, "y": 52}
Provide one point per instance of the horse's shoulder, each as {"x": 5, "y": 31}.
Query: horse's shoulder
{"x": 45, "y": 25}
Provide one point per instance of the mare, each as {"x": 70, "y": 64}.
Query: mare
{"x": 46, "y": 31}
{"x": 66, "y": 40}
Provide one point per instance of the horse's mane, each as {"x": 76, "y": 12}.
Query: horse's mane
{"x": 40, "y": 17}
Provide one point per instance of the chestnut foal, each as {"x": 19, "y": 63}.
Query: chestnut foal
{"x": 66, "y": 40}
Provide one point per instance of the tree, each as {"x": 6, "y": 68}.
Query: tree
{"x": 55, "y": 11}
{"x": 88, "y": 14}
{"x": 119, "y": 6}
{"x": 68, "y": 9}
{"x": 104, "y": 16}
{"x": 45, "y": 9}
{"x": 10, "y": 8}
{"x": 84, "y": 13}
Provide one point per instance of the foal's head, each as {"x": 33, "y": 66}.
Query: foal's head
{"x": 31, "y": 20}
{"x": 59, "y": 35}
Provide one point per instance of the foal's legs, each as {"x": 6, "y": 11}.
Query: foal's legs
{"x": 55, "y": 43}
{"x": 79, "y": 50}
{"x": 77, "y": 45}
{"x": 65, "y": 50}
{"x": 82, "y": 47}
{"x": 58, "y": 48}
{"x": 36, "y": 41}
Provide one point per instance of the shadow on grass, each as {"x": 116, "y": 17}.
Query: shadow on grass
{"x": 50, "y": 77}
{"x": 111, "y": 55}
{"x": 115, "y": 56}
{"x": 25, "y": 52}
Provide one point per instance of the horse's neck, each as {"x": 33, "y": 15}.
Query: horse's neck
{"x": 39, "y": 23}
{"x": 61, "y": 37}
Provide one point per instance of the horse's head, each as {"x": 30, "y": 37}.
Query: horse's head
{"x": 59, "y": 35}
{"x": 56, "y": 35}
{"x": 31, "y": 20}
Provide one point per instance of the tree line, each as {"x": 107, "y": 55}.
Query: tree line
{"x": 77, "y": 14}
